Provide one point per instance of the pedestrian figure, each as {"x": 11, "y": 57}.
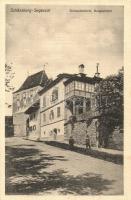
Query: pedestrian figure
{"x": 71, "y": 143}
{"x": 27, "y": 132}
{"x": 27, "y": 128}
{"x": 55, "y": 133}
{"x": 88, "y": 142}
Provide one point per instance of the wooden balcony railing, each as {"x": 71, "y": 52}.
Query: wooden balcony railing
{"x": 79, "y": 93}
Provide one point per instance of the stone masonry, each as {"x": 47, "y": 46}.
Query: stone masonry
{"x": 79, "y": 134}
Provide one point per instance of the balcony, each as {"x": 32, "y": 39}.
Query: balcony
{"x": 78, "y": 93}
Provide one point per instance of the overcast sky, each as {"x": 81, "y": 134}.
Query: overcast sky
{"x": 64, "y": 39}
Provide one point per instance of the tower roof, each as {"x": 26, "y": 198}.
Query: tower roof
{"x": 37, "y": 79}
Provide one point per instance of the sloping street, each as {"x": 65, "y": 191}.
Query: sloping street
{"x": 38, "y": 168}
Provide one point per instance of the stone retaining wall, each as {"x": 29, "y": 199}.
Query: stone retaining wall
{"x": 79, "y": 134}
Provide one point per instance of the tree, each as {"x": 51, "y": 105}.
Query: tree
{"x": 9, "y": 75}
{"x": 109, "y": 99}
{"x": 72, "y": 121}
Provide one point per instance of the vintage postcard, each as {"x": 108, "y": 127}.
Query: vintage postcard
{"x": 65, "y": 100}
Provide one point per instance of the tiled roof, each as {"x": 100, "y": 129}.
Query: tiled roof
{"x": 54, "y": 82}
{"x": 83, "y": 78}
{"x": 39, "y": 78}
{"x": 70, "y": 77}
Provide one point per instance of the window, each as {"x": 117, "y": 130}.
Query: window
{"x": 51, "y": 115}
{"x": 88, "y": 104}
{"x": 30, "y": 128}
{"x": 34, "y": 128}
{"x": 86, "y": 87}
{"x": 71, "y": 86}
{"x": 58, "y": 111}
{"x": 18, "y": 104}
{"x": 44, "y": 101}
{"x": 93, "y": 88}
{"x": 44, "y": 117}
{"x": 54, "y": 95}
{"x": 58, "y": 130}
{"x": 18, "y": 97}
{"x": 93, "y": 102}
{"x": 90, "y": 87}
{"x": 79, "y": 85}
{"x": 82, "y": 86}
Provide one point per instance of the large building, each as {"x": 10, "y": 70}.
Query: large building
{"x": 68, "y": 95}
{"x": 24, "y": 98}
{"x": 52, "y": 106}
{"x": 42, "y": 107}
{"x": 59, "y": 108}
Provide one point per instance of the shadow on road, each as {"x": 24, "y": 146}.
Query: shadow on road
{"x": 26, "y": 174}
{"x": 114, "y": 158}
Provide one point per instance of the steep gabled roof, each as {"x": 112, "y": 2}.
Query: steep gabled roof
{"x": 37, "y": 79}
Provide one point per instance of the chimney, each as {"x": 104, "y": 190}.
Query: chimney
{"x": 81, "y": 69}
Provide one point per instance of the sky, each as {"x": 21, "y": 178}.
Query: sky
{"x": 58, "y": 41}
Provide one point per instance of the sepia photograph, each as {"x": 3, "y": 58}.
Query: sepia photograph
{"x": 64, "y": 108}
